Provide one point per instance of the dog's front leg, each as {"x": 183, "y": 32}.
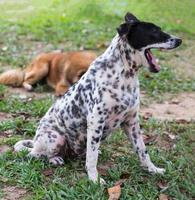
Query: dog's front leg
{"x": 94, "y": 133}
{"x": 132, "y": 130}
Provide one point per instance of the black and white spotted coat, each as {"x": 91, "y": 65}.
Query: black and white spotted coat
{"x": 104, "y": 99}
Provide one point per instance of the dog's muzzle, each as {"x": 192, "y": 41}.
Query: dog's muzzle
{"x": 173, "y": 42}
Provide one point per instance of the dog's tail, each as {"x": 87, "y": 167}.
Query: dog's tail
{"x": 14, "y": 77}
{"x": 23, "y": 145}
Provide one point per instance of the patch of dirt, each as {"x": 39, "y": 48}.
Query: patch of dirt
{"x": 14, "y": 193}
{"x": 181, "y": 107}
{"x": 4, "y": 148}
{"x": 23, "y": 94}
{"x": 165, "y": 143}
{"x": 4, "y": 116}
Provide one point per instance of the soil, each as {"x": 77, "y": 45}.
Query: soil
{"x": 4, "y": 116}
{"x": 4, "y": 148}
{"x": 23, "y": 94}
{"x": 181, "y": 107}
{"x": 14, "y": 193}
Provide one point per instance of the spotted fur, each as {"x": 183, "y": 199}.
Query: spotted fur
{"x": 106, "y": 98}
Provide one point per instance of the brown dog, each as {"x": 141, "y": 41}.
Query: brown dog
{"x": 61, "y": 70}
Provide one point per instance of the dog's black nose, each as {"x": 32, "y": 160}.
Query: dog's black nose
{"x": 178, "y": 42}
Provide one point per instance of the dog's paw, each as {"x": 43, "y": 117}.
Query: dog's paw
{"x": 96, "y": 179}
{"x": 27, "y": 86}
{"x": 156, "y": 170}
{"x": 56, "y": 161}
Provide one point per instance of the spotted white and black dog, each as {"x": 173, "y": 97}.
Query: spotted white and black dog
{"x": 104, "y": 99}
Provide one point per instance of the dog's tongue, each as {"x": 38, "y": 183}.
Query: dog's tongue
{"x": 154, "y": 67}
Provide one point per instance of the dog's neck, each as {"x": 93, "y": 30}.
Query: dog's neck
{"x": 129, "y": 59}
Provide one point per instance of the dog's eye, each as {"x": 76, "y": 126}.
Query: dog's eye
{"x": 154, "y": 30}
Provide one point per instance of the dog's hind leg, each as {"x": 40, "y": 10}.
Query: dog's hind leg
{"x": 56, "y": 161}
{"x": 49, "y": 143}
{"x": 38, "y": 71}
{"x": 132, "y": 129}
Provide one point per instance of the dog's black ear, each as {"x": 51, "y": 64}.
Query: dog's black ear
{"x": 130, "y": 18}
{"x": 123, "y": 29}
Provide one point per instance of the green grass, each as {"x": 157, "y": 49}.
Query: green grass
{"x": 165, "y": 81}
{"x": 91, "y": 25}
{"x": 71, "y": 182}
{"x": 27, "y": 27}
{"x": 34, "y": 108}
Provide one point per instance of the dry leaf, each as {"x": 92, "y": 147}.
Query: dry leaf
{"x": 147, "y": 115}
{"x": 125, "y": 176}
{"x": 48, "y": 172}
{"x": 114, "y": 192}
{"x": 149, "y": 139}
{"x": 163, "y": 197}
{"x": 175, "y": 101}
{"x": 162, "y": 185}
{"x": 103, "y": 169}
{"x": 120, "y": 182}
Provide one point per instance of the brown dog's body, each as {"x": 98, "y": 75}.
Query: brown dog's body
{"x": 61, "y": 70}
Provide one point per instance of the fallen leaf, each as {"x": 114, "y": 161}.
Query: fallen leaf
{"x": 103, "y": 169}
{"x": 48, "y": 172}
{"x": 162, "y": 185}
{"x": 175, "y": 101}
{"x": 147, "y": 115}
{"x": 148, "y": 139}
{"x": 125, "y": 176}
{"x": 114, "y": 192}
{"x": 163, "y": 197}
{"x": 121, "y": 182}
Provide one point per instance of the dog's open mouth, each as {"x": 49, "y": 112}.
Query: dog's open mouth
{"x": 153, "y": 65}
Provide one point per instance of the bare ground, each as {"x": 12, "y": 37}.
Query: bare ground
{"x": 4, "y": 116}
{"x": 181, "y": 107}
{"x": 14, "y": 193}
{"x": 23, "y": 94}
